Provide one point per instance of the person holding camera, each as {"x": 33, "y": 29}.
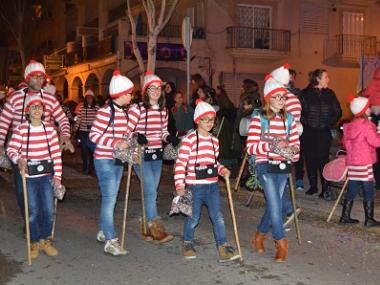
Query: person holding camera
{"x": 34, "y": 148}
{"x": 108, "y": 132}
{"x": 150, "y": 120}
{"x": 83, "y": 123}
{"x": 273, "y": 139}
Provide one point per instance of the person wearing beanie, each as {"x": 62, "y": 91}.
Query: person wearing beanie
{"x": 360, "y": 141}
{"x": 271, "y": 166}
{"x": 34, "y": 148}
{"x": 320, "y": 113}
{"x": 83, "y": 124}
{"x": 196, "y": 170}
{"x": 108, "y": 132}
{"x": 150, "y": 120}
{"x": 14, "y": 114}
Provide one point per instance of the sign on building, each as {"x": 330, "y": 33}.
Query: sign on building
{"x": 53, "y": 62}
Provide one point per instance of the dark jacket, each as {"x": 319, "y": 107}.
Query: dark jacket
{"x": 320, "y": 108}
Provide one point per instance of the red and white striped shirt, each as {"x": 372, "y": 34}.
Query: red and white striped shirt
{"x": 106, "y": 139}
{"x": 259, "y": 146}
{"x": 184, "y": 172}
{"x": 293, "y": 106}
{"x": 86, "y": 117}
{"x": 360, "y": 172}
{"x": 39, "y": 144}
{"x": 154, "y": 125}
{"x": 13, "y": 111}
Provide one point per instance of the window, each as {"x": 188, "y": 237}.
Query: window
{"x": 353, "y": 23}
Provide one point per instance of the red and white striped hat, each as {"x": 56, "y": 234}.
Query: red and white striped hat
{"x": 120, "y": 85}
{"x": 281, "y": 74}
{"x": 33, "y": 68}
{"x": 203, "y": 109}
{"x": 32, "y": 99}
{"x": 272, "y": 87}
{"x": 149, "y": 79}
{"x": 358, "y": 105}
{"x": 89, "y": 92}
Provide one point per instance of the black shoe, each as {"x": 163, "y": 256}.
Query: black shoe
{"x": 346, "y": 213}
{"x": 368, "y": 212}
{"x": 312, "y": 190}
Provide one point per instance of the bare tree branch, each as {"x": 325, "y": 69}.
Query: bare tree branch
{"x": 162, "y": 13}
{"x": 170, "y": 13}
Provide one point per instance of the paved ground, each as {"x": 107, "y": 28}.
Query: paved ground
{"x": 329, "y": 253}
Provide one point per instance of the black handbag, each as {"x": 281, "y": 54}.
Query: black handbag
{"x": 279, "y": 166}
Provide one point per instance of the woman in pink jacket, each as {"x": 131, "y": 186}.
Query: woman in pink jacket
{"x": 360, "y": 140}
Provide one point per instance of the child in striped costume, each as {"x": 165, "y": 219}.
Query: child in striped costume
{"x": 35, "y": 149}
{"x": 360, "y": 140}
{"x": 197, "y": 169}
{"x": 85, "y": 119}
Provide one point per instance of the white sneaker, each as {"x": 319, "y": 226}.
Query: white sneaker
{"x": 291, "y": 217}
{"x": 113, "y": 247}
{"x": 100, "y": 237}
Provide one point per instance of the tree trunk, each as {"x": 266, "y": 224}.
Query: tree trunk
{"x": 152, "y": 51}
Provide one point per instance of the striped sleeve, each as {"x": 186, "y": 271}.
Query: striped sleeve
{"x": 6, "y": 116}
{"x": 218, "y": 164}
{"x": 134, "y": 113}
{"x": 165, "y": 132}
{"x": 255, "y": 144}
{"x": 293, "y": 106}
{"x": 103, "y": 116}
{"x": 14, "y": 145}
{"x": 294, "y": 139}
{"x": 55, "y": 153}
{"x": 181, "y": 163}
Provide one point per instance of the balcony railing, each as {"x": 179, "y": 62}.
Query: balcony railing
{"x": 173, "y": 31}
{"x": 258, "y": 38}
{"x": 351, "y": 47}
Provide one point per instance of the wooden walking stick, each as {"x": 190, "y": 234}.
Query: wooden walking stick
{"x": 241, "y": 170}
{"x": 126, "y": 203}
{"x": 55, "y": 218}
{"x": 337, "y": 200}
{"x": 144, "y": 222}
{"x": 26, "y": 211}
{"x": 234, "y": 219}
{"x": 249, "y": 201}
{"x": 293, "y": 197}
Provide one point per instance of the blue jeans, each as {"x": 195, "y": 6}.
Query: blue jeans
{"x": 353, "y": 187}
{"x": 18, "y": 188}
{"x": 152, "y": 176}
{"x": 87, "y": 155}
{"x": 274, "y": 185}
{"x": 109, "y": 177}
{"x": 287, "y": 207}
{"x": 41, "y": 207}
{"x": 209, "y": 195}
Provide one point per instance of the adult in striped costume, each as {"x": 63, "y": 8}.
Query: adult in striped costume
{"x": 36, "y": 142}
{"x": 259, "y": 143}
{"x": 360, "y": 140}
{"x": 83, "y": 124}
{"x": 14, "y": 113}
{"x": 108, "y": 132}
{"x": 150, "y": 120}
{"x": 196, "y": 170}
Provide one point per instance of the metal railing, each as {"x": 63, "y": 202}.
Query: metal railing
{"x": 351, "y": 46}
{"x": 173, "y": 31}
{"x": 258, "y": 38}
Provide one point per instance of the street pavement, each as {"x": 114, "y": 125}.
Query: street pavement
{"x": 329, "y": 253}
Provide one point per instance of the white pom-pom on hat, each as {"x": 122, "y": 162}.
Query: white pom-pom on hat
{"x": 120, "y": 85}
{"x": 358, "y": 105}
{"x": 149, "y": 79}
{"x": 202, "y": 109}
{"x": 33, "y": 68}
{"x": 281, "y": 74}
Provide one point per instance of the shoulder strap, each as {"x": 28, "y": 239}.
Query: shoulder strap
{"x": 112, "y": 118}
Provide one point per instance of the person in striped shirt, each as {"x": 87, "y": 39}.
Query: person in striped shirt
{"x": 83, "y": 123}
{"x": 34, "y": 148}
{"x": 150, "y": 120}
{"x": 13, "y": 115}
{"x": 196, "y": 170}
{"x": 360, "y": 140}
{"x": 108, "y": 132}
{"x": 272, "y": 167}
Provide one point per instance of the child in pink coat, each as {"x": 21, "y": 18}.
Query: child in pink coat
{"x": 360, "y": 140}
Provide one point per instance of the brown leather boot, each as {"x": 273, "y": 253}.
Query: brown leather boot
{"x": 147, "y": 236}
{"x": 282, "y": 250}
{"x": 258, "y": 242}
{"x": 158, "y": 232}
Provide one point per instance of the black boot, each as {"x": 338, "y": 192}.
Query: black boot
{"x": 313, "y": 185}
{"x": 346, "y": 213}
{"x": 368, "y": 212}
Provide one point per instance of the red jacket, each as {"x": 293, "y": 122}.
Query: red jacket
{"x": 373, "y": 89}
{"x": 360, "y": 140}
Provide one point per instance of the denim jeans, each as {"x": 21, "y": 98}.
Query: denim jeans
{"x": 274, "y": 185}
{"x": 87, "y": 155}
{"x": 353, "y": 187}
{"x": 109, "y": 177}
{"x": 41, "y": 207}
{"x": 152, "y": 176}
{"x": 18, "y": 188}
{"x": 209, "y": 195}
{"x": 287, "y": 206}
